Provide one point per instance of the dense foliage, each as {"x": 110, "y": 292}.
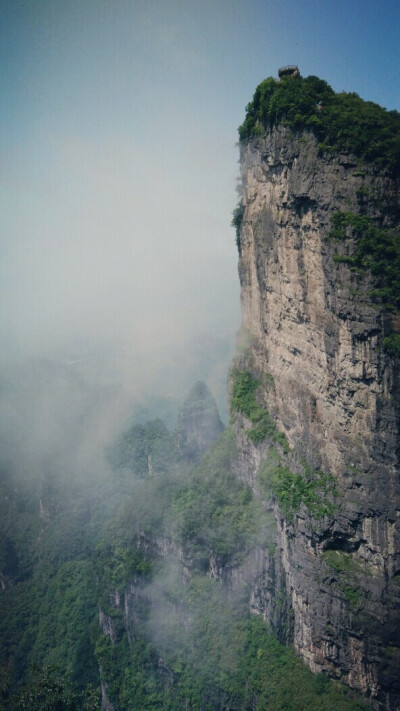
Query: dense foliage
{"x": 187, "y": 642}
{"x": 145, "y": 448}
{"x": 214, "y": 511}
{"x": 244, "y": 400}
{"x": 315, "y": 489}
{"x": 391, "y": 344}
{"x": 48, "y": 689}
{"x": 377, "y": 250}
{"x": 195, "y": 645}
{"x": 344, "y": 123}
{"x": 49, "y": 614}
{"x": 214, "y": 657}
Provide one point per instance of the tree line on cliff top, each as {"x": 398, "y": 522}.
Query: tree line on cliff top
{"x": 342, "y": 122}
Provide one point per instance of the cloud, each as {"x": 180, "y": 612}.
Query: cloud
{"x": 112, "y": 243}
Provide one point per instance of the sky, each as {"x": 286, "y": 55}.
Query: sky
{"x": 118, "y": 165}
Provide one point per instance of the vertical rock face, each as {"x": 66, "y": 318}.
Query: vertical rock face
{"x": 313, "y": 327}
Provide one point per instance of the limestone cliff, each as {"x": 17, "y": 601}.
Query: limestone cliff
{"x": 316, "y": 351}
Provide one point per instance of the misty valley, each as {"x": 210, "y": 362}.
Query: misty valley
{"x": 135, "y": 575}
{"x": 163, "y": 550}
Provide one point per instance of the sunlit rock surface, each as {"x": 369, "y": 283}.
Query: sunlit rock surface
{"x": 311, "y": 325}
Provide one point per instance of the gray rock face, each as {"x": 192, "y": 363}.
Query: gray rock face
{"x": 313, "y": 327}
{"x": 199, "y": 423}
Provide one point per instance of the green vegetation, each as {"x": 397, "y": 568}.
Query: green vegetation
{"x": 391, "y": 344}
{"x": 119, "y": 560}
{"x": 49, "y": 690}
{"x": 244, "y": 401}
{"x": 352, "y": 595}
{"x": 377, "y": 250}
{"x": 214, "y": 511}
{"x": 345, "y": 123}
{"x": 145, "y": 450}
{"x": 51, "y": 620}
{"x": 47, "y": 604}
{"x": 347, "y": 569}
{"x": 342, "y": 562}
{"x": 237, "y": 220}
{"x": 146, "y": 544}
{"x": 314, "y": 489}
{"x": 235, "y": 662}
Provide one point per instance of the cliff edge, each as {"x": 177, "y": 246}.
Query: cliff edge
{"x": 315, "y": 387}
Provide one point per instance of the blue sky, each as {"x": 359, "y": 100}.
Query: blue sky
{"x": 118, "y": 160}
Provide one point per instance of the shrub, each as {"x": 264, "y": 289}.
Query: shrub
{"x": 314, "y": 489}
{"x": 237, "y": 219}
{"x": 391, "y": 344}
{"x": 244, "y": 401}
{"x": 342, "y": 562}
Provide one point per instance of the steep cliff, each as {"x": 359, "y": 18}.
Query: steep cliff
{"x": 320, "y": 318}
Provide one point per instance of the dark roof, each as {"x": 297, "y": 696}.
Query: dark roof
{"x": 288, "y": 70}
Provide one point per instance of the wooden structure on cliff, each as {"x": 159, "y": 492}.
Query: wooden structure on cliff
{"x": 291, "y": 70}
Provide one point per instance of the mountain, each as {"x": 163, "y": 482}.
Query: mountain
{"x": 199, "y": 423}
{"x": 318, "y": 230}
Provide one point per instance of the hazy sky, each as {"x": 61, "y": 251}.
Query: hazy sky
{"x": 118, "y": 160}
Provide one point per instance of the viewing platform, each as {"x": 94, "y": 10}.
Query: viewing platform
{"x": 291, "y": 70}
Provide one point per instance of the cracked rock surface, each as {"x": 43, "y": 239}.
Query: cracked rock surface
{"x": 315, "y": 330}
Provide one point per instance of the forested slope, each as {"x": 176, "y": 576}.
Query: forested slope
{"x": 168, "y": 554}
